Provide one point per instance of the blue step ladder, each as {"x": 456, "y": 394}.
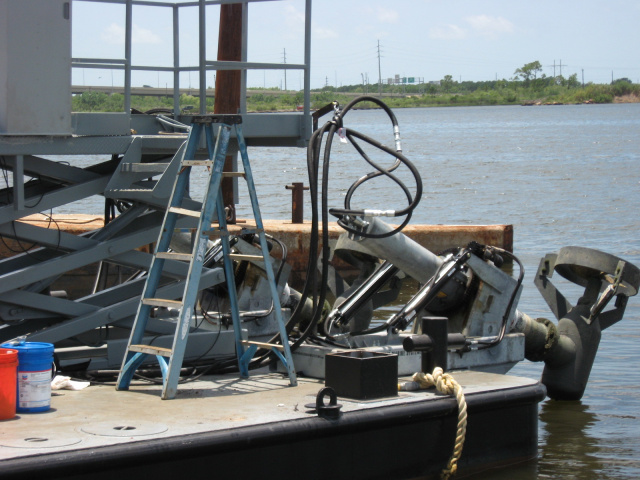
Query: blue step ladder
{"x": 170, "y": 360}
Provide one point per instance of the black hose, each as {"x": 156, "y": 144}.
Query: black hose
{"x": 344, "y": 214}
{"x": 315, "y": 287}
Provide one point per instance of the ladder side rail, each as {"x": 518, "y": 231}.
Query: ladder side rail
{"x": 242, "y": 146}
{"x": 231, "y": 287}
{"x": 218, "y": 168}
{"x": 133, "y": 360}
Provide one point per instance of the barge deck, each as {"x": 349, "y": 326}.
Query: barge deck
{"x": 244, "y": 428}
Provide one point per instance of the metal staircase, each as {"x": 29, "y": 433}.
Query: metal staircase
{"x": 136, "y": 353}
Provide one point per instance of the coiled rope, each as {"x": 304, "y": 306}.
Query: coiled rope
{"x": 446, "y": 384}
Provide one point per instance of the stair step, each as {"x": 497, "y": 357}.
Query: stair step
{"x": 184, "y": 211}
{"x": 143, "y": 167}
{"x": 162, "y": 302}
{"x": 186, "y": 257}
{"x": 264, "y": 345}
{"x": 151, "y": 350}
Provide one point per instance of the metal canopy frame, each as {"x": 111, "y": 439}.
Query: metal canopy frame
{"x": 304, "y": 128}
{"x": 134, "y": 165}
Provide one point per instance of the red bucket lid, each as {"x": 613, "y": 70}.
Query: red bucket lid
{"x": 8, "y": 356}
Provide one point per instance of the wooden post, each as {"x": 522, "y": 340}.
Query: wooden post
{"x": 227, "y": 93}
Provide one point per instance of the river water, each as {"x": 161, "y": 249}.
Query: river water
{"x": 561, "y": 175}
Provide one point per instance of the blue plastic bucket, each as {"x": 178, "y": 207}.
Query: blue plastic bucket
{"x": 35, "y": 361}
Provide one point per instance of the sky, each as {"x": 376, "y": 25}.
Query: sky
{"x": 354, "y": 40}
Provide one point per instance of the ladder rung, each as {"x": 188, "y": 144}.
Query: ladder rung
{"x": 197, "y": 163}
{"x": 151, "y": 350}
{"x": 162, "y": 302}
{"x": 238, "y": 256}
{"x": 175, "y": 256}
{"x": 263, "y": 344}
{"x": 233, "y": 174}
{"x": 184, "y": 211}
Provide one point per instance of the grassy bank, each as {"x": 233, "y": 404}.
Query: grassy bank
{"x": 410, "y": 96}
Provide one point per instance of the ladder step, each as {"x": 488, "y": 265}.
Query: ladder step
{"x": 162, "y": 302}
{"x": 264, "y": 345}
{"x": 197, "y": 163}
{"x": 184, "y": 211}
{"x": 151, "y": 350}
{"x": 238, "y": 256}
{"x": 143, "y": 167}
{"x": 175, "y": 256}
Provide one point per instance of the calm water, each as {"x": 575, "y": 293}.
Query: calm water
{"x": 562, "y": 175}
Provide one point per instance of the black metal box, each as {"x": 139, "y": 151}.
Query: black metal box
{"x": 362, "y": 375}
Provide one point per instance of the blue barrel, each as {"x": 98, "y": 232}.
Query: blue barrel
{"x": 35, "y": 361}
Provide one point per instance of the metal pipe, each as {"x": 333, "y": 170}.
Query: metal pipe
{"x": 243, "y": 57}
{"x": 202, "y": 57}
{"x": 406, "y": 254}
{"x": 127, "y": 56}
{"x": 176, "y": 61}
{"x": 307, "y": 67}
{"x": 297, "y": 201}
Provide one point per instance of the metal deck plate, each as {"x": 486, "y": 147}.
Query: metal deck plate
{"x": 101, "y": 416}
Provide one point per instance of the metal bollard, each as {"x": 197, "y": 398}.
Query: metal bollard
{"x": 433, "y": 343}
{"x": 297, "y": 201}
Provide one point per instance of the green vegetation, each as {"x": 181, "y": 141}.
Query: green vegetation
{"x": 528, "y": 86}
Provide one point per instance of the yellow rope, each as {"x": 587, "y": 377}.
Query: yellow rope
{"x": 446, "y": 384}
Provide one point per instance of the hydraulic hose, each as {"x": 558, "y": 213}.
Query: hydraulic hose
{"x": 315, "y": 287}
{"x": 345, "y": 214}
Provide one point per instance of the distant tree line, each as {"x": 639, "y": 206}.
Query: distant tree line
{"x": 528, "y": 85}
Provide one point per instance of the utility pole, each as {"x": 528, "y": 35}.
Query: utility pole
{"x": 583, "y": 78}
{"x": 284, "y": 57}
{"x": 379, "y": 72}
{"x": 561, "y": 67}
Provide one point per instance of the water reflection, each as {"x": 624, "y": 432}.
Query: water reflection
{"x": 567, "y": 450}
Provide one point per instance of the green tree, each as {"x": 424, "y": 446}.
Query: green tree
{"x": 529, "y": 71}
{"x": 446, "y": 83}
{"x": 573, "y": 81}
{"x": 91, "y": 100}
